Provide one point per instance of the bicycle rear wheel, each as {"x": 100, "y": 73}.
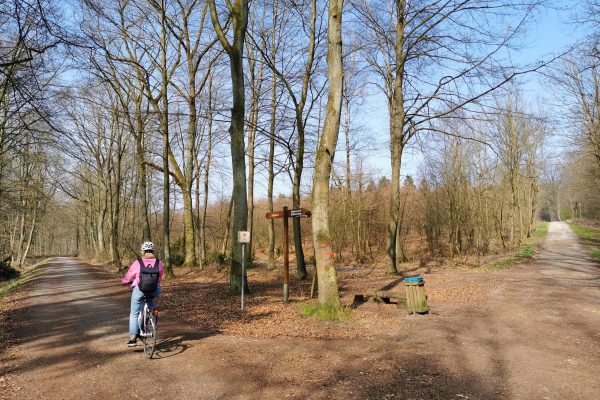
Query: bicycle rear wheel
{"x": 150, "y": 339}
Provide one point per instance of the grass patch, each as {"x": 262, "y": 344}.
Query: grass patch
{"x": 596, "y": 254}
{"x": 541, "y": 230}
{"x": 501, "y": 264}
{"x": 586, "y": 233}
{"x": 590, "y": 237}
{"x": 526, "y": 252}
{"x": 523, "y": 255}
{"x": 15, "y": 283}
{"x": 325, "y": 312}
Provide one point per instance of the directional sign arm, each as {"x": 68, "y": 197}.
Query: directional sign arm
{"x": 275, "y": 214}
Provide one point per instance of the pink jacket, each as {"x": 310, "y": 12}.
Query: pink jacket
{"x": 133, "y": 274}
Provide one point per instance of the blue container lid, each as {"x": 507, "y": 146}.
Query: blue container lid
{"x": 413, "y": 279}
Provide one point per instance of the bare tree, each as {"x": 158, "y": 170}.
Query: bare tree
{"x": 256, "y": 81}
{"x": 195, "y": 52}
{"x": 29, "y": 45}
{"x": 30, "y": 29}
{"x": 238, "y": 11}
{"x": 299, "y": 95}
{"x": 30, "y": 38}
{"x": 579, "y": 80}
{"x": 553, "y": 181}
{"x": 275, "y": 42}
{"x": 152, "y": 66}
{"x": 432, "y": 59}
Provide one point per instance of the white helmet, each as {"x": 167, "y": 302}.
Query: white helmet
{"x": 147, "y": 246}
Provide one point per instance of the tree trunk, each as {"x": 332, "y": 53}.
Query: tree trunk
{"x": 300, "y": 263}
{"x": 166, "y": 200}
{"x": 29, "y": 236}
{"x": 238, "y": 163}
{"x": 392, "y": 238}
{"x": 143, "y": 181}
{"x": 235, "y": 51}
{"x": 188, "y": 210}
{"x": 534, "y": 194}
{"x": 557, "y": 196}
{"x": 198, "y": 216}
{"x": 270, "y": 167}
{"x": 324, "y": 258}
{"x": 272, "y": 126}
{"x": 397, "y": 140}
{"x": 101, "y": 244}
{"x": 207, "y": 169}
{"x": 164, "y": 127}
{"x": 227, "y": 227}
{"x": 116, "y": 196}
{"x": 188, "y": 226}
{"x": 256, "y": 92}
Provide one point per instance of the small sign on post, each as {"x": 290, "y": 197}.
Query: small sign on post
{"x": 243, "y": 239}
{"x": 300, "y": 213}
{"x": 275, "y": 214}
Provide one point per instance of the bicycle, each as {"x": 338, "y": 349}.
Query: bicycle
{"x": 147, "y": 321}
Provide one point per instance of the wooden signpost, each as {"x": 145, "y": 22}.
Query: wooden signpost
{"x": 285, "y": 214}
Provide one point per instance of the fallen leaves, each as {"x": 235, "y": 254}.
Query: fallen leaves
{"x": 202, "y": 299}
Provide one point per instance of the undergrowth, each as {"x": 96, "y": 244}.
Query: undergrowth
{"x": 24, "y": 277}
{"x": 524, "y": 254}
{"x": 541, "y": 230}
{"x": 590, "y": 236}
{"x": 586, "y": 233}
{"x": 14, "y": 283}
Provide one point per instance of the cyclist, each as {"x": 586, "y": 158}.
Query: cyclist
{"x": 132, "y": 278}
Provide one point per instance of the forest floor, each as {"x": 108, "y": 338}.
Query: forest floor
{"x": 525, "y": 332}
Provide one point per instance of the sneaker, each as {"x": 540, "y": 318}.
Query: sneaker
{"x": 132, "y": 342}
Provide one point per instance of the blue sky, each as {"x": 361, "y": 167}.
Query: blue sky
{"x": 548, "y": 35}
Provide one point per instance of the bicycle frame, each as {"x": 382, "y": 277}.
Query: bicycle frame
{"x": 147, "y": 314}
{"x": 147, "y": 322}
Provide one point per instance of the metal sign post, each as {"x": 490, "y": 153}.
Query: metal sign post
{"x": 286, "y": 256}
{"x": 243, "y": 238}
{"x": 285, "y": 214}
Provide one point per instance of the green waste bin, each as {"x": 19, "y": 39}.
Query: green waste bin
{"x": 416, "y": 299}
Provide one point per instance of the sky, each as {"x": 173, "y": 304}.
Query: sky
{"x": 548, "y": 35}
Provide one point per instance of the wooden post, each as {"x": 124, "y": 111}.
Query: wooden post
{"x": 312, "y": 285}
{"x": 285, "y": 214}
{"x": 286, "y": 256}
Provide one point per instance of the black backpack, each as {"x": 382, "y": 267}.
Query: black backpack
{"x": 148, "y": 277}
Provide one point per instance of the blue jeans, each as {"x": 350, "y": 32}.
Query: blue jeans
{"x": 137, "y": 303}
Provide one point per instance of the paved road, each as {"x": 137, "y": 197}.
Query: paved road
{"x": 536, "y": 337}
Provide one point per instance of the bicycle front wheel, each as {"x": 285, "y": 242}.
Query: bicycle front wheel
{"x": 150, "y": 339}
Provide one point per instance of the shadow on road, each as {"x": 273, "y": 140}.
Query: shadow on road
{"x": 77, "y": 317}
{"x": 175, "y": 345}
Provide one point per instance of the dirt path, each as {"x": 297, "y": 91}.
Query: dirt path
{"x": 536, "y": 336}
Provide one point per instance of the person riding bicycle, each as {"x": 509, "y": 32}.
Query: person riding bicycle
{"x": 146, "y": 264}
